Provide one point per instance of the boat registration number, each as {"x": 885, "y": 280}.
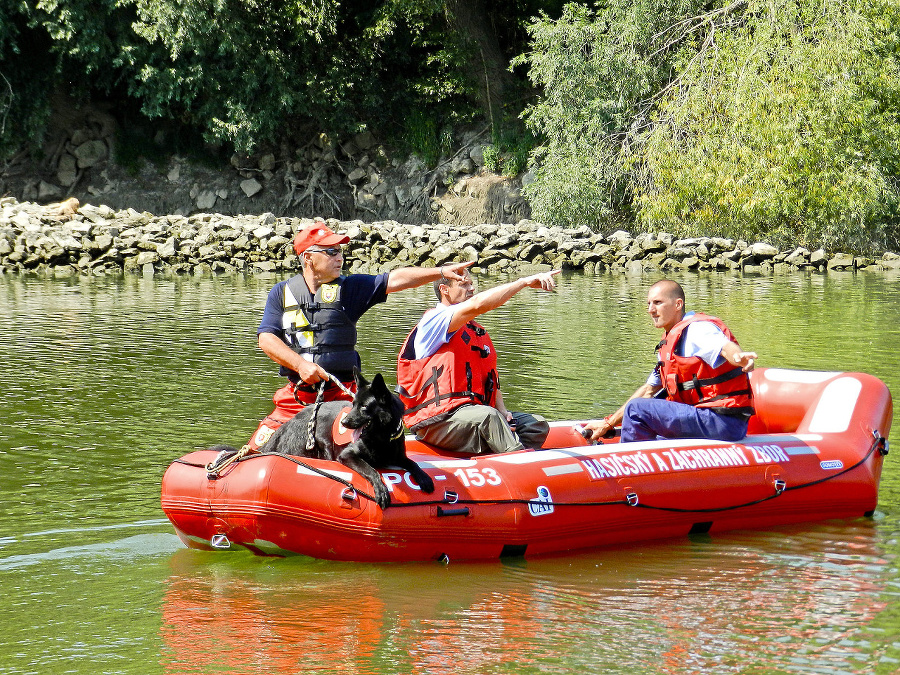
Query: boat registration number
{"x": 477, "y": 476}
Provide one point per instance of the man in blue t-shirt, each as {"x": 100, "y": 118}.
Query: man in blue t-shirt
{"x": 309, "y": 323}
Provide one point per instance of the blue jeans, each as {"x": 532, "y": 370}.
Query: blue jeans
{"x": 648, "y": 419}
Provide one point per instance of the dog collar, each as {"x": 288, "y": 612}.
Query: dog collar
{"x": 398, "y": 433}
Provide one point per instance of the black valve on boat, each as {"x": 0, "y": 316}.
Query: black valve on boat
{"x": 881, "y": 443}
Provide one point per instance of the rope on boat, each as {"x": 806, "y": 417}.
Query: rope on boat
{"x": 879, "y": 443}
{"x": 213, "y": 474}
{"x": 225, "y": 459}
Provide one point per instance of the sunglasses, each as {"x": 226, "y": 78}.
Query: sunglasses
{"x": 331, "y": 252}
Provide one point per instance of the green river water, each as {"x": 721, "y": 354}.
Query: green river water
{"x": 104, "y": 381}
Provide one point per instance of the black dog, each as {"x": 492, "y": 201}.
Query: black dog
{"x": 377, "y": 418}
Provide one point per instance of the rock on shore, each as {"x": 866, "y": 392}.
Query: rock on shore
{"x": 67, "y": 239}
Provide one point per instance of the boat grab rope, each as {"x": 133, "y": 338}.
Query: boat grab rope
{"x": 213, "y": 475}
{"x": 631, "y": 499}
{"x": 879, "y": 443}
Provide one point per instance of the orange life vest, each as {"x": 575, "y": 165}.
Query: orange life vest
{"x": 464, "y": 370}
{"x": 689, "y": 379}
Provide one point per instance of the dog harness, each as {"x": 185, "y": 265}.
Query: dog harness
{"x": 689, "y": 379}
{"x": 317, "y": 327}
{"x": 464, "y": 370}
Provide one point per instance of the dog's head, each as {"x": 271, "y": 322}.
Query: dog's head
{"x": 375, "y": 405}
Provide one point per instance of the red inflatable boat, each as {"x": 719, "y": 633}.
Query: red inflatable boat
{"x": 814, "y": 451}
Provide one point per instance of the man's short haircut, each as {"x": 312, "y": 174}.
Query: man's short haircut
{"x": 443, "y": 281}
{"x": 671, "y": 288}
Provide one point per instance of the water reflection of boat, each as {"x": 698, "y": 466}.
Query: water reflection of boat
{"x": 814, "y": 451}
{"x": 788, "y": 601}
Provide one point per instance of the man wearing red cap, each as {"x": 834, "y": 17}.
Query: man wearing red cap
{"x": 309, "y": 323}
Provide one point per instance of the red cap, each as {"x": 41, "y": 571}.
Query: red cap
{"x": 317, "y": 234}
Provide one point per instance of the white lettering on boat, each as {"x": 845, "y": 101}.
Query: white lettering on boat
{"x": 706, "y": 458}
{"x": 392, "y": 478}
{"x": 478, "y": 476}
{"x": 766, "y": 454}
{"x": 639, "y": 463}
{"x": 620, "y": 465}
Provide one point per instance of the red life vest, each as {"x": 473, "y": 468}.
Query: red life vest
{"x": 464, "y": 370}
{"x": 689, "y": 379}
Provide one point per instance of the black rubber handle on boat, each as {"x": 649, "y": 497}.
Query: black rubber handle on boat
{"x": 464, "y": 511}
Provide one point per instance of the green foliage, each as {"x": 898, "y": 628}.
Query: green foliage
{"x": 422, "y": 137}
{"x": 243, "y": 72}
{"x": 762, "y": 120}
{"x": 27, "y": 70}
{"x": 50, "y": 47}
{"x": 492, "y": 161}
{"x": 235, "y": 69}
{"x": 511, "y": 148}
{"x": 416, "y": 91}
{"x": 596, "y": 69}
{"x": 784, "y": 128}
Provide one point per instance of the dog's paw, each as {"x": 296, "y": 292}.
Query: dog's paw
{"x": 382, "y": 497}
{"x": 425, "y": 482}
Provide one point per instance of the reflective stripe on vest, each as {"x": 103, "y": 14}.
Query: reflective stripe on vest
{"x": 317, "y": 327}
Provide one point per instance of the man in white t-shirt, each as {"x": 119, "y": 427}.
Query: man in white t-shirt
{"x": 447, "y": 373}
{"x": 702, "y": 370}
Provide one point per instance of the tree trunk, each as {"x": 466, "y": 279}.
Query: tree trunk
{"x": 489, "y": 64}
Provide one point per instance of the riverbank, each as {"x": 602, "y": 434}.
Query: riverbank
{"x": 68, "y": 238}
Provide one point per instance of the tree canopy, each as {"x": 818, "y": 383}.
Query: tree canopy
{"x": 776, "y": 120}
{"x": 245, "y": 72}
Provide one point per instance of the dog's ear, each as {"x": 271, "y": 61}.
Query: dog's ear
{"x": 359, "y": 379}
{"x": 378, "y": 385}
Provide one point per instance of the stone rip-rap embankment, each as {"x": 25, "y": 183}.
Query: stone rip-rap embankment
{"x": 69, "y": 238}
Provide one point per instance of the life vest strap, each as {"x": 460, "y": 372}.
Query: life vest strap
{"x": 471, "y": 395}
{"x": 730, "y": 394}
{"x": 310, "y": 327}
{"x": 312, "y": 306}
{"x": 323, "y": 349}
{"x": 484, "y": 352}
{"x": 744, "y": 412}
{"x": 696, "y": 383}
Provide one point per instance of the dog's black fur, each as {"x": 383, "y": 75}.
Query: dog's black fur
{"x": 377, "y": 413}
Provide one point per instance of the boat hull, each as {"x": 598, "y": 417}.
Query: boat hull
{"x": 814, "y": 452}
